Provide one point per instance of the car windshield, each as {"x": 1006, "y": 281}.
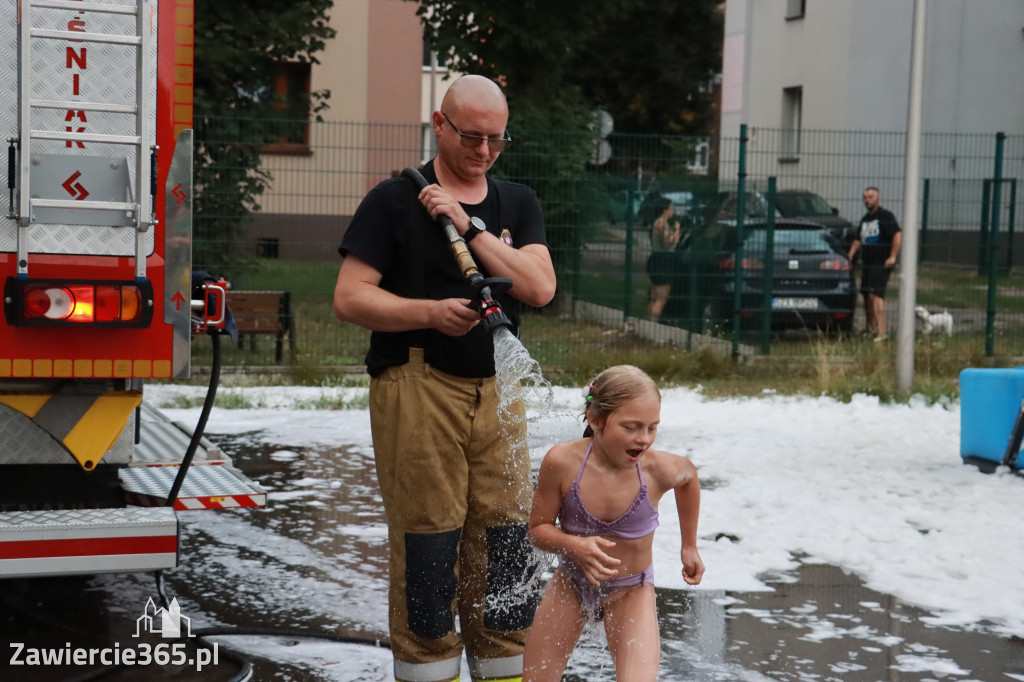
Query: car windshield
{"x": 792, "y": 205}
{"x": 790, "y": 241}
{"x": 754, "y": 206}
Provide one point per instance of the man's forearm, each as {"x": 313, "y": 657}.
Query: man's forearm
{"x": 529, "y": 268}
{"x": 853, "y": 249}
{"x": 379, "y": 310}
{"x": 897, "y": 241}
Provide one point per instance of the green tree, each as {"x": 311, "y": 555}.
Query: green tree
{"x": 239, "y": 51}
{"x": 526, "y": 46}
{"x": 652, "y": 68}
{"x": 647, "y": 62}
{"x": 653, "y": 71}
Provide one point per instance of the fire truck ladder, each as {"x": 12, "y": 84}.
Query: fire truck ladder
{"x": 141, "y": 210}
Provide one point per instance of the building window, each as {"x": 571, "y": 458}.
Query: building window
{"x": 792, "y": 121}
{"x": 795, "y": 9}
{"x": 268, "y": 247}
{"x": 290, "y": 91}
{"x": 429, "y": 56}
{"x": 428, "y": 148}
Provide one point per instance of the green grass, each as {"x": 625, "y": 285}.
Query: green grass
{"x": 307, "y": 280}
{"x": 959, "y": 288}
{"x": 572, "y": 352}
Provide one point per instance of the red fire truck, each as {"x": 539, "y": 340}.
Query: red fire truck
{"x": 95, "y": 257}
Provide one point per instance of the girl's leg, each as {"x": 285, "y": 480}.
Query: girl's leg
{"x": 631, "y": 624}
{"x": 554, "y": 633}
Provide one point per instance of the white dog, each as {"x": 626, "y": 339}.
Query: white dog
{"x": 940, "y": 323}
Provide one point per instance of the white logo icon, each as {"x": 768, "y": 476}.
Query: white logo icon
{"x": 161, "y": 621}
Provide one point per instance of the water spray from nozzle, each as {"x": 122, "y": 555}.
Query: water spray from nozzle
{"x": 485, "y": 289}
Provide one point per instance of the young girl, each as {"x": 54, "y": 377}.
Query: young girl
{"x": 604, "y": 489}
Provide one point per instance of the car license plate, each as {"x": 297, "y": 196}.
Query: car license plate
{"x": 797, "y": 303}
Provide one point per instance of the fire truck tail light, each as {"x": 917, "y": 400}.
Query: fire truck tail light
{"x": 74, "y": 304}
{"x": 54, "y": 303}
{"x": 115, "y": 304}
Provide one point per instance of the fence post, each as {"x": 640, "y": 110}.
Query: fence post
{"x": 990, "y": 308}
{"x": 1010, "y": 220}
{"x": 741, "y": 214}
{"x": 576, "y": 263}
{"x": 769, "y": 270}
{"x": 627, "y": 276}
{"x": 924, "y": 221}
{"x": 983, "y": 231}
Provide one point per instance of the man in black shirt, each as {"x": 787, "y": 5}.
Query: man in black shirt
{"x": 455, "y": 484}
{"x": 879, "y": 238}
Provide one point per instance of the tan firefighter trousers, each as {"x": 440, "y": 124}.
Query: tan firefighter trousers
{"x": 457, "y": 492}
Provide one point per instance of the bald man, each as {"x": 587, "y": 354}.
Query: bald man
{"x": 455, "y": 483}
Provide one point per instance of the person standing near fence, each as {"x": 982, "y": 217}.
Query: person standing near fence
{"x": 661, "y": 264}
{"x": 878, "y": 238}
{"x": 456, "y": 486}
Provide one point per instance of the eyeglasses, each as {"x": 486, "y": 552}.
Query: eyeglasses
{"x": 495, "y": 144}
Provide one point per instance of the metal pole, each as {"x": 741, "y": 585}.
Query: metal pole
{"x": 993, "y": 247}
{"x": 911, "y": 206}
{"x": 741, "y": 212}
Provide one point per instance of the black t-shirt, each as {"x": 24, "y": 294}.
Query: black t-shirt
{"x": 876, "y": 233}
{"x": 392, "y": 231}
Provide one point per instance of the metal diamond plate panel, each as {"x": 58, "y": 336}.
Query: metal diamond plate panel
{"x": 23, "y": 442}
{"x": 109, "y": 77}
{"x": 162, "y": 441}
{"x": 123, "y": 448}
{"x": 201, "y": 481}
{"x": 75, "y": 519}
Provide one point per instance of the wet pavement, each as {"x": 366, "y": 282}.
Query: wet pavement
{"x": 315, "y": 562}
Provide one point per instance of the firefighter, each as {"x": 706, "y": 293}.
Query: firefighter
{"x": 455, "y": 483}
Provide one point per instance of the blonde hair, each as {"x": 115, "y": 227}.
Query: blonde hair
{"x": 612, "y": 388}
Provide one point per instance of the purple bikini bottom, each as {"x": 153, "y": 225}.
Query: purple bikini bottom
{"x": 591, "y": 595}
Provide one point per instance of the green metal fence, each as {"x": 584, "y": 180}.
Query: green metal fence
{"x": 595, "y": 197}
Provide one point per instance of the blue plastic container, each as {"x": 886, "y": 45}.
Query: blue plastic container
{"x": 989, "y": 402}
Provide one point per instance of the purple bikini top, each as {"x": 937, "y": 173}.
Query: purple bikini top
{"x": 639, "y": 520}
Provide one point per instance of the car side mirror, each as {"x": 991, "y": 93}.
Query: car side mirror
{"x": 835, "y": 211}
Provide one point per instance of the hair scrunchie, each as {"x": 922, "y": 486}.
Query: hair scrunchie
{"x": 587, "y": 390}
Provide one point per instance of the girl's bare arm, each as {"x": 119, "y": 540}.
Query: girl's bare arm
{"x": 687, "y": 491}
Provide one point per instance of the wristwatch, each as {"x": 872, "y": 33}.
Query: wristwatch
{"x": 476, "y": 226}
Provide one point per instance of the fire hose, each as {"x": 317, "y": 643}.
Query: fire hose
{"x": 485, "y": 289}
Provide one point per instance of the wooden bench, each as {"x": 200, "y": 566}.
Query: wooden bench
{"x": 264, "y": 312}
